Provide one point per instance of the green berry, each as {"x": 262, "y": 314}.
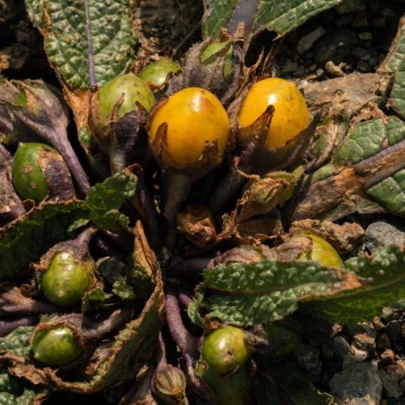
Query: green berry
{"x": 67, "y": 279}
{"x": 56, "y": 347}
{"x": 134, "y": 90}
{"x": 27, "y": 176}
{"x": 156, "y": 72}
{"x": 225, "y": 349}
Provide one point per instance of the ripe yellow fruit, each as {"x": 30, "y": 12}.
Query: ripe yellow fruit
{"x": 194, "y": 116}
{"x": 291, "y": 113}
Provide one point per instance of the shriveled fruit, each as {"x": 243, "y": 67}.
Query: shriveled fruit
{"x": 291, "y": 113}
{"x": 133, "y": 90}
{"x": 56, "y": 347}
{"x": 225, "y": 349}
{"x": 156, "y": 72}
{"x": 322, "y": 251}
{"x": 27, "y": 176}
{"x": 67, "y": 279}
{"x": 194, "y": 117}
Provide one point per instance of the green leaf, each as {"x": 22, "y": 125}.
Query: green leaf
{"x": 123, "y": 290}
{"x": 26, "y": 239}
{"x": 85, "y": 41}
{"x": 396, "y": 63}
{"x": 105, "y": 199}
{"x": 263, "y": 292}
{"x": 17, "y": 341}
{"x": 279, "y": 16}
{"x": 193, "y": 308}
{"x": 386, "y": 271}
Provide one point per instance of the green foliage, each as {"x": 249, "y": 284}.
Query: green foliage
{"x": 80, "y": 36}
{"x": 386, "y": 288}
{"x": 105, "y": 199}
{"x": 279, "y": 16}
{"x": 247, "y": 294}
{"x": 25, "y": 240}
{"x": 17, "y": 341}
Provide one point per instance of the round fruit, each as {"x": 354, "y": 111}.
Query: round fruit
{"x": 193, "y": 116}
{"x": 224, "y": 349}
{"x": 27, "y": 176}
{"x": 134, "y": 90}
{"x": 156, "y": 72}
{"x": 215, "y": 48}
{"x": 291, "y": 114}
{"x": 56, "y": 347}
{"x": 67, "y": 279}
{"x": 322, "y": 251}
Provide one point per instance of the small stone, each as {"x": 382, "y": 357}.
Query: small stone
{"x": 312, "y": 68}
{"x": 383, "y": 233}
{"x": 402, "y": 385}
{"x": 361, "y": 20}
{"x": 308, "y": 360}
{"x": 359, "y": 384}
{"x": 383, "y": 342}
{"x": 334, "y": 70}
{"x": 397, "y": 370}
{"x": 364, "y": 66}
{"x": 350, "y": 6}
{"x": 299, "y": 72}
{"x": 306, "y": 42}
{"x": 340, "y": 347}
{"x": 378, "y": 323}
{"x": 365, "y": 36}
{"x": 387, "y": 357}
{"x": 374, "y": 5}
{"x": 289, "y": 67}
{"x": 357, "y": 354}
{"x": 320, "y": 73}
{"x": 336, "y": 47}
{"x": 343, "y": 20}
{"x": 373, "y": 61}
{"x": 394, "y": 331}
{"x": 379, "y": 22}
{"x": 390, "y": 385}
{"x": 361, "y": 53}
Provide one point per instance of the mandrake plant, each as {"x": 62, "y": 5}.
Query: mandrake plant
{"x": 181, "y": 241}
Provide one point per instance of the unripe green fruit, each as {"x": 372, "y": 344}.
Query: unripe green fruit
{"x": 134, "y": 90}
{"x": 56, "y": 347}
{"x": 27, "y": 176}
{"x": 224, "y": 349}
{"x": 156, "y": 72}
{"x": 215, "y": 48}
{"x": 322, "y": 251}
{"x": 67, "y": 279}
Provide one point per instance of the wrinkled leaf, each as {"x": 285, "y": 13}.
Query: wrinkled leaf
{"x": 17, "y": 341}
{"x": 366, "y": 174}
{"x": 105, "y": 199}
{"x": 26, "y": 239}
{"x": 385, "y": 269}
{"x": 248, "y": 294}
{"x": 279, "y": 16}
{"x": 86, "y": 42}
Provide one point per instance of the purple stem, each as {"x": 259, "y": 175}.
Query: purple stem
{"x": 92, "y": 75}
{"x": 152, "y": 218}
{"x": 184, "y": 299}
{"x": 161, "y": 359}
{"x": 7, "y": 326}
{"x": 193, "y": 266}
{"x": 183, "y": 339}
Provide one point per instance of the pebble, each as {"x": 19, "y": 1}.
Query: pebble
{"x": 387, "y": 357}
{"x": 394, "y": 331}
{"x": 289, "y": 67}
{"x": 390, "y": 385}
{"x": 383, "y": 233}
{"x": 365, "y": 36}
{"x": 306, "y": 42}
{"x": 336, "y": 46}
{"x": 351, "y": 6}
{"x": 383, "y": 342}
{"x": 334, "y": 70}
{"x": 340, "y": 347}
{"x": 359, "y": 384}
{"x": 361, "y": 53}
